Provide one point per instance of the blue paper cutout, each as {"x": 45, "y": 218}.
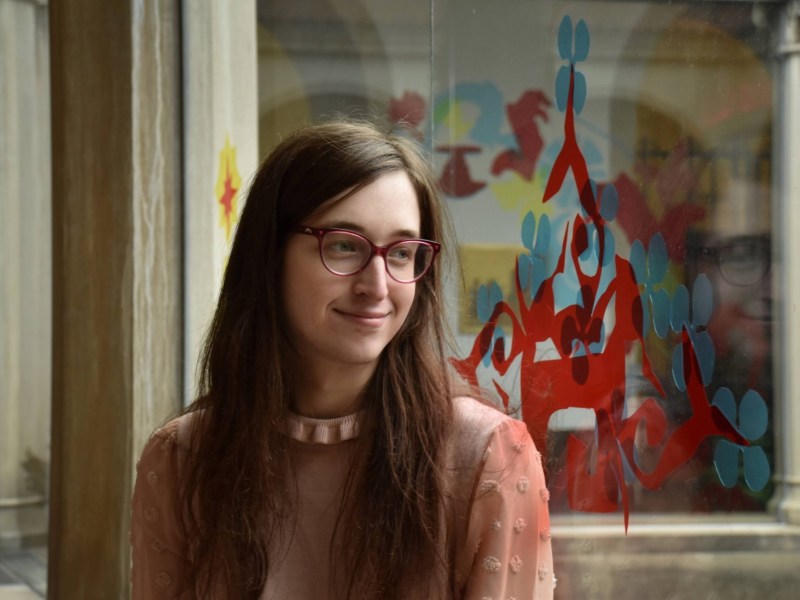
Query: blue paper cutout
{"x": 488, "y": 298}
{"x": 573, "y": 56}
{"x": 694, "y": 324}
{"x": 753, "y": 417}
{"x": 581, "y": 42}
{"x": 565, "y": 39}
{"x": 649, "y": 269}
{"x": 532, "y": 267}
{"x": 609, "y": 202}
{"x": 562, "y": 88}
{"x": 752, "y": 424}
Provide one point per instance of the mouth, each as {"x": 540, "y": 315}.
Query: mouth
{"x": 366, "y": 318}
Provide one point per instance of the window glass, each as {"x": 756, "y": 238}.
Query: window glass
{"x": 608, "y": 168}
{"x": 321, "y": 58}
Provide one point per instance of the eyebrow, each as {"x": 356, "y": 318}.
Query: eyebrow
{"x": 398, "y": 233}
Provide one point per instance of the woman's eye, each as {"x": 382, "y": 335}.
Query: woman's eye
{"x": 401, "y": 253}
{"x": 342, "y": 247}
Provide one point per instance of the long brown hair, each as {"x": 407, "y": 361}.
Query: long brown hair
{"x": 238, "y": 479}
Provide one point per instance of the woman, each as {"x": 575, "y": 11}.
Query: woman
{"x": 326, "y": 456}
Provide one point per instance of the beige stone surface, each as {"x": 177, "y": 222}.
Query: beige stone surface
{"x": 117, "y": 289}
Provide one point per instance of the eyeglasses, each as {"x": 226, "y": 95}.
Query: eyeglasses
{"x": 345, "y": 252}
{"x": 742, "y": 261}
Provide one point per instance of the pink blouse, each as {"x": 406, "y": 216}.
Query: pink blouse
{"x": 496, "y": 510}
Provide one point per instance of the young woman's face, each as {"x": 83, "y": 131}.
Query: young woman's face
{"x": 335, "y": 321}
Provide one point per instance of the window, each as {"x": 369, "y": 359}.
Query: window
{"x": 623, "y": 152}
{"x": 609, "y": 167}
{"x": 672, "y": 115}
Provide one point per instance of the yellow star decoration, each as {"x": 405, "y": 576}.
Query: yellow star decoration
{"x": 227, "y": 188}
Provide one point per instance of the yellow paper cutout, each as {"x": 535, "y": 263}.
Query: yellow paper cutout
{"x": 227, "y": 188}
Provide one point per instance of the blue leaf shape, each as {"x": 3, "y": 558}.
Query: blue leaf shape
{"x": 562, "y": 88}
{"x": 723, "y": 400}
{"x": 702, "y": 301}
{"x": 539, "y": 276}
{"x": 579, "y": 93}
{"x": 704, "y": 350}
{"x": 482, "y": 304}
{"x": 756, "y": 468}
{"x": 660, "y": 300}
{"x": 637, "y": 260}
{"x": 543, "y": 237}
{"x": 677, "y": 368}
{"x": 646, "y": 320}
{"x": 525, "y": 264}
{"x": 581, "y": 42}
{"x": 609, "y": 202}
{"x": 657, "y": 258}
{"x": 487, "y": 358}
{"x": 495, "y": 294}
{"x": 565, "y": 38}
{"x": 528, "y": 230}
{"x": 564, "y": 293}
{"x": 679, "y": 309}
{"x": 591, "y": 247}
{"x": 610, "y": 248}
{"x": 726, "y": 462}
{"x": 753, "y": 417}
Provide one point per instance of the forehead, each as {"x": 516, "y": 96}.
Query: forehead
{"x": 387, "y": 205}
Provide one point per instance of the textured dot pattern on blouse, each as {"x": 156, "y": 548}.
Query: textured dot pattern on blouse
{"x": 506, "y": 552}
{"x": 157, "y": 544}
{"x": 509, "y": 528}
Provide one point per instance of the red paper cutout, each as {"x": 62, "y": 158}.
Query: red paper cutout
{"x": 580, "y": 378}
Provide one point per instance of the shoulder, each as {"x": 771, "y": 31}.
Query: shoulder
{"x": 477, "y": 419}
{"x": 158, "y": 472}
{"x": 170, "y": 440}
{"x": 476, "y": 424}
{"x": 156, "y": 532}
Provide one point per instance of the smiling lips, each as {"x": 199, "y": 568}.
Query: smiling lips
{"x": 372, "y": 319}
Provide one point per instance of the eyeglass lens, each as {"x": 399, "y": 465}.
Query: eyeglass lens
{"x": 345, "y": 253}
{"x": 744, "y": 262}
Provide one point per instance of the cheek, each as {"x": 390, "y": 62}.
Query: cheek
{"x": 301, "y": 277}
{"x": 294, "y": 292}
{"x": 406, "y": 301}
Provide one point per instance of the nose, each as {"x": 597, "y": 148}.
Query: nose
{"x": 373, "y": 281}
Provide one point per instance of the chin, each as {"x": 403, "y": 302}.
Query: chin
{"x": 360, "y": 357}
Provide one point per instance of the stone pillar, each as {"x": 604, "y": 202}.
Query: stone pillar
{"x": 116, "y": 91}
{"x": 788, "y": 264}
{"x": 25, "y": 297}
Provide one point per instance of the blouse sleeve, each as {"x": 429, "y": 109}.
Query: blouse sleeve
{"x": 509, "y": 522}
{"x": 158, "y": 547}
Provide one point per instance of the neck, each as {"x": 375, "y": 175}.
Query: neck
{"x": 327, "y": 393}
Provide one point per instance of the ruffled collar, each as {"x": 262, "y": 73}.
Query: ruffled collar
{"x": 322, "y": 431}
